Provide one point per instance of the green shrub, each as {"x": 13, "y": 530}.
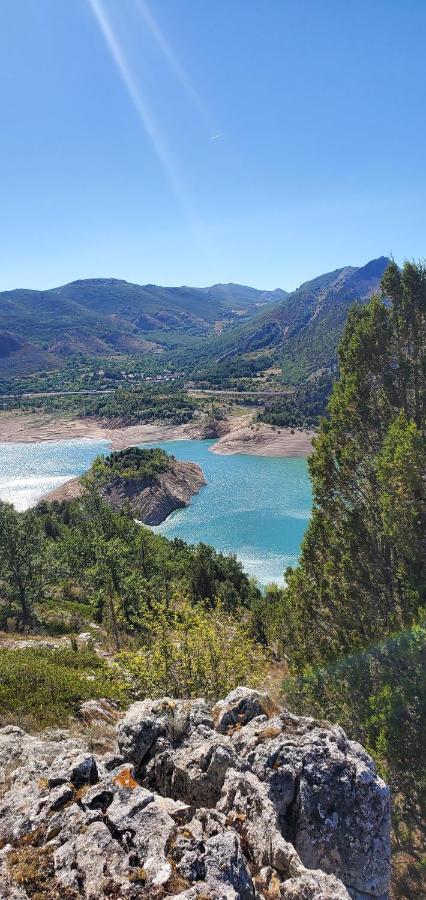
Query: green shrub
{"x": 44, "y": 687}
{"x": 131, "y": 463}
{"x": 194, "y": 652}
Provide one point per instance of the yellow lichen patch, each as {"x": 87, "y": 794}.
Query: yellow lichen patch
{"x": 235, "y": 817}
{"x": 125, "y": 779}
{"x": 186, "y": 833}
{"x": 42, "y": 784}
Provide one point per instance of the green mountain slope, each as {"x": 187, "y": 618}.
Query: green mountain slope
{"x": 211, "y": 326}
{"x": 301, "y": 332}
{"x": 121, "y": 316}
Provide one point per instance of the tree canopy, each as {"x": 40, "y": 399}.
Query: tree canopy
{"x": 362, "y": 573}
{"x": 352, "y": 618}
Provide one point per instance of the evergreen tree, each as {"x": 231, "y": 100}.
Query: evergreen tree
{"x": 22, "y": 563}
{"x": 352, "y": 618}
{"x": 362, "y": 573}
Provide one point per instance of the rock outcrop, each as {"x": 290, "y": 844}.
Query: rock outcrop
{"x": 241, "y": 801}
{"x": 151, "y": 499}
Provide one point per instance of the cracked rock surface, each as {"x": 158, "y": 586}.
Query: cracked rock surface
{"x": 241, "y": 801}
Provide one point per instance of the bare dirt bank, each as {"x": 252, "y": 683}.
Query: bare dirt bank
{"x": 240, "y": 435}
{"x": 31, "y": 427}
{"x": 260, "y": 439}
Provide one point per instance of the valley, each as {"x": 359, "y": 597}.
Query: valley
{"x": 258, "y": 576}
{"x": 111, "y": 329}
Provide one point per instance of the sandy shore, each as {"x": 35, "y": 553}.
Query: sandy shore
{"x": 260, "y": 439}
{"x": 243, "y": 436}
{"x": 33, "y": 427}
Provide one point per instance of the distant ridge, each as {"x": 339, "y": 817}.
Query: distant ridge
{"x": 110, "y": 315}
{"x": 303, "y": 329}
{"x": 105, "y": 316}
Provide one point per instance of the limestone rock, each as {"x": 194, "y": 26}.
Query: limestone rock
{"x": 240, "y": 707}
{"x": 151, "y": 498}
{"x": 240, "y": 802}
{"x": 313, "y": 886}
{"x": 148, "y": 720}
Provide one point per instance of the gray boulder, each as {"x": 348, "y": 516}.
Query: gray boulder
{"x": 240, "y": 707}
{"x": 238, "y": 802}
{"x": 308, "y": 795}
{"x": 313, "y": 886}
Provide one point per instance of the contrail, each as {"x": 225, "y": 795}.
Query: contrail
{"x": 140, "y": 105}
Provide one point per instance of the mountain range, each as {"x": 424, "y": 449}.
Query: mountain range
{"x": 99, "y": 316}
{"x": 302, "y": 331}
{"x": 108, "y": 316}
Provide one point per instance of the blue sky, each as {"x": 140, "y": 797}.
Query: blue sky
{"x": 195, "y": 141}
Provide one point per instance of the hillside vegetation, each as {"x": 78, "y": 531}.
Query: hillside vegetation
{"x": 177, "y": 617}
{"x": 300, "y": 334}
{"x": 134, "y": 462}
{"x": 361, "y": 580}
{"x": 100, "y": 316}
{"x": 222, "y": 336}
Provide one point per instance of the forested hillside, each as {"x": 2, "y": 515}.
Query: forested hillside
{"x": 300, "y": 334}
{"x": 216, "y": 335}
{"x": 179, "y": 615}
{"x": 107, "y": 316}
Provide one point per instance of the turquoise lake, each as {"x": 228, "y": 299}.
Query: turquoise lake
{"x": 256, "y": 507}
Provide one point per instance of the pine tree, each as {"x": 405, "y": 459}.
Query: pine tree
{"x": 362, "y": 573}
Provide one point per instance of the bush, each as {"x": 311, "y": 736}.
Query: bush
{"x": 131, "y": 463}
{"x": 194, "y": 653}
{"x": 42, "y": 687}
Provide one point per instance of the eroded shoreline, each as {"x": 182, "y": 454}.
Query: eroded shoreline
{"x": 240, "y": 435}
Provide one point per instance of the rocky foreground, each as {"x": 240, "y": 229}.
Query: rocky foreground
{"x": 235, "y": 802}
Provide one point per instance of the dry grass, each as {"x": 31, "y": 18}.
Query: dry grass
{"x": 273, "y": 680}
{"x": 31, "y": 867}
{"x": 408, "y": 878}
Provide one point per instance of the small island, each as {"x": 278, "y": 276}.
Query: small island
{"x": 151, "y": 482}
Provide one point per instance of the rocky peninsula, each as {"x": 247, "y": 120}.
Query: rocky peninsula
{"x": 150, "y": 482}
{"x": 239, "y": 801}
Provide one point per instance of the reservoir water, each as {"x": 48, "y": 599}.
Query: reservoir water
{"x": 256, "y": 507}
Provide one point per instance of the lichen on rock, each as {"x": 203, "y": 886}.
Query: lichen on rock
{"x": 241, "y": 801}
